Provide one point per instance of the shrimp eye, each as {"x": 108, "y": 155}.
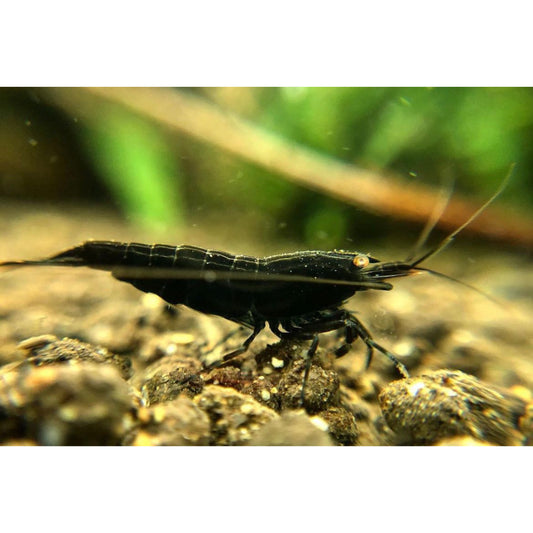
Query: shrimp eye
{"x": 361, "y": 261}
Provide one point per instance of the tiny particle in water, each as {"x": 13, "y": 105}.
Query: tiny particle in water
{"x": 404, "y": 348}
{"x": 171, "y": 349}
{"x": 413, "y": 174}
{"x": 28, "y": 122}
{"x": 53, "y": 158}
{"x": 277, "y": 363}
{"x": 33, "y": 142}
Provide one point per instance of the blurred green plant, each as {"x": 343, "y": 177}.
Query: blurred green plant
{"x": 469, "y": 134}
{"x": 136, "y": 162}
{"x": 162, "y": 179}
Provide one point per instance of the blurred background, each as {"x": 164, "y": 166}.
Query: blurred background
{"x": 263, "y": 170}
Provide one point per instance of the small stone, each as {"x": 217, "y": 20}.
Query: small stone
{"x": 49, "y": 350}
{"x": 447, "y": 403}
{"x": 234, "y": 417}
{"x": 168, "y": 377}
{"x": 176, "y": 423}
{"x": 277, "y": 363}
{"x": 321, "y": 391}
{"x": 340, "y": 424}
{"x": 320, "y": 423}
{"x": 82, "y": 404}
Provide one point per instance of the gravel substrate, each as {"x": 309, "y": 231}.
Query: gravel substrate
{"x": 88, "y": 360}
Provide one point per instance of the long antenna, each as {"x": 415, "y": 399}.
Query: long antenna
{"x": 445, "y": 242}
{"x": 438, "y": 210}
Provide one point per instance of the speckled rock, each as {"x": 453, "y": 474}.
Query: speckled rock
{"x": 234, "y": 417}
{"x": 341, "y": 425}
{"x": 168, "y": 377}
{"x": 293, "y": 428}
{"x": 177, "y": 423}
{"x": 261, "y": 388}
{"x": 80, "y": 404}
{"x": 446, "y": 403}
{"x": 48, "y": 349}
{"x": 321, "y": 391}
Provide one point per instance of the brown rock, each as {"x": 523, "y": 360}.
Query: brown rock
{"x": 234, "y": 417}
{"x": 84, "y": 404}
{"x": 168, "y": 377}
{"x": 176, "y": 423}
{"x": 321, "y": 391}
{"x": 48, "y": 349}
{"x": 341, "y": 425}
{"x": 446, "y": 403}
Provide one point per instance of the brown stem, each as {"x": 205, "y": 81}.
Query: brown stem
{"x": 381, "y": 193}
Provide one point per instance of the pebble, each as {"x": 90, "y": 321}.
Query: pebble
{"x": 48, "y": 350}
{"x": 321, "y": 391}
{"x": 447, "y": 403}
{"x": 176, "y": 423}
{"x": 234, "y": 417}
{"x": 167, "y": 378}
{"x": 82, "y": 404}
